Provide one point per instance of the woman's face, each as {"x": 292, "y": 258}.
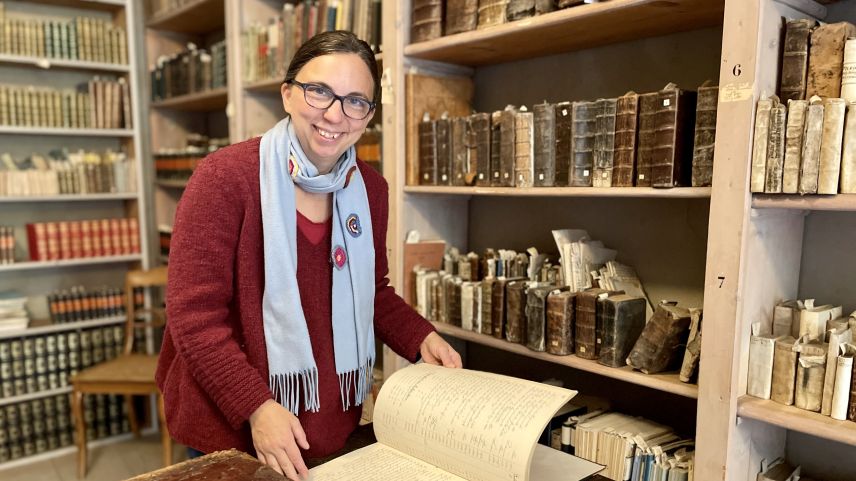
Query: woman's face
{"x": 325, "y": 134}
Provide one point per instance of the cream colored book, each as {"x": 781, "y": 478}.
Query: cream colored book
{"x": 438, "y": 424}
{"x": 761, "y": 140}
{"x": 793, "y": 145}
{"x": 848, "y": 151}
{"x": 813, "y": 319}
{"x": 843, "y": 379}
{"x": 761, "y": 351}
{"x": 836, "y": 338}
{"x": 830, "y": 146}
{"x": 810, "y": 162}
{"x": 848, "y": 73}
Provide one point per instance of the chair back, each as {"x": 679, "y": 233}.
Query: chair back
{"x": 138, "y": 316}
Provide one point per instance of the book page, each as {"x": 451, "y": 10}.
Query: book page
{"x": 477, "y": 425}
{"x": 379, "y": 462}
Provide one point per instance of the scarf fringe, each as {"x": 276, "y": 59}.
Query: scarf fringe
{"x": 361, "y": 380}
{"x": 286, "y": 389}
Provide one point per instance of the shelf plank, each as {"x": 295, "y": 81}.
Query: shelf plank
{"x": 57, "y": 63}
{"x": 103, "y": 5}
{"x": 270, "y": 85}
{"x": 840, "y": 202}
{"x": 678, "y": 192}
{"x": 69, "y": 198}
{"x": 16, "y": 130}
{"x": 172, "y": 183}
{"x": 34, "y": 395}
{"x": 574, "y": 28}
{"x": 796, "y": 419}
{"x": 66, "y": 326}
{"x": 661, "y": 382}
{"x": 86, "y": 261}
{"x": 209, "y": 100}
{"x": 194, "y": 17}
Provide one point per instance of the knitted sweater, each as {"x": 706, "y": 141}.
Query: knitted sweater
{"x": 213, "y": 367}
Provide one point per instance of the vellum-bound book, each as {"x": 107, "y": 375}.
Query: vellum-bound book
{"x": 810, "y": 374}
{"x": 837, "y": 338}
{"x": 491, "y": 12}
{"x": 830, "y": 146}
{"x": 693, "y": 352}
{"x": 761, "y": 350}
{"x": 417, "y": 422}
{"x": 794, "y": 128}
{"x": 813, "y": 319}
{"x": 784, "y": 370}
{"x": 848, "y": 151}
{"x": 810, "y": 162}
{"x": 848, "y": 74}
{"x": 760, "y": 142}
{"x": 775, "y": 150}
{"x": 843, "y": 380}
{"x": 786, "y": 318}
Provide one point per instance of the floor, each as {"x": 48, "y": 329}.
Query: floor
{"x": 113, "y": 462}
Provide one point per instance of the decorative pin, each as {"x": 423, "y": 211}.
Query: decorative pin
{"x": 348, "y": 176}
{"x": 352, "y": 224}
{"x": 340, "y": 257}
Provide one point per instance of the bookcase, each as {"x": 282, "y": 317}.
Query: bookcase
{"x": 720, "y": 247}
{"x": 35, "y": 280}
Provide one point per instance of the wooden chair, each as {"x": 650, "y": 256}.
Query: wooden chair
{"x": 129, "y": 374}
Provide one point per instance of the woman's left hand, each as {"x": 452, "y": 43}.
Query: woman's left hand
{"x": 435, "y": 350}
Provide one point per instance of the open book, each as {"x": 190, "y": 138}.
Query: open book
{"x": 437, "y": 424}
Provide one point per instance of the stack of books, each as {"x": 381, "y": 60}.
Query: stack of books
{"x": 13, "y": 312}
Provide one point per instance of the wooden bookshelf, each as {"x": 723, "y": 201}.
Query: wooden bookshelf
{"x": 70, "y": 198}
{"x": 172, "y": 184}
{"x": 66, "y": 326}
{"x": 209, "y": 100}
{"x": 575, "y": 28}
{"x": 661, "y": 382}
{"x": 840, "y": 202}
{"x": 34, "y": 395}
{"x": 103, "y": 5}
{"x": 62, "y": 132}
{"x": 796, "y": 419}
{"x": 194, "y": 17}
{"x": 58, "y": 63}
{"x": 676, "y": 193}
{"x": 85, "y": 261}
{"x": 267, "y": 85}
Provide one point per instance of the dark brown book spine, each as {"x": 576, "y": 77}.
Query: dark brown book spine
{"x": 444, "y": 152}
{"x": 545, "y": 145}
{"x": 461, "y": 16}
{"x": 582, "y": 143}
{"x": 658, "y": 346}
{"x": 523, "y": 149}
{"x": 460, "y": 151}
{"x": 705, "y": 135}
{"x": 585, "y": 330}
{"x": 520, "y": 9}
{"x": 795, "y": 60}
{"x": 623, "y": 321}
{"x": 453, "y": 300}
{"x": 515, "y": 312}
{"x": 495, "y": 147}
{"x": 627, "y": 111}
{"x": 479, "y": 145}
{"x": 426, "y": 20}
{"x": 497, "y": 309}
{"x": 645, "y": 140}
{"x": 561, "y": 310}
{"x": 826, "y": 59}
{"x": 851, "y": 405}
{"x": 487, "y": 306}
{"x": 507, "y": 142}
{"x": 604, "y": 143}
{"x": 671, "y": 163}
{"x": 536, "y": 320}
{"x": 564, "y": 128}
{"x": 428, "y": 153}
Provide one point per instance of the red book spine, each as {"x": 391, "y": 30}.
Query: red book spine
{"x": 52, "y": 235}
{"x": 116, "y": 237}
{"x": 134, "y": 227}
{"x": 125, "y": 236}
{"x": 33, "y": 242}
{"x": 76, "y": 239}
{"x": 106, "y": 238}
{"x": 95, "y": 233}
{"x": 86, "y": 238}
{"x": 64, "y": 240}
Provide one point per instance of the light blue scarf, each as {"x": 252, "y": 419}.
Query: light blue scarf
{"x": 290, "y": 361}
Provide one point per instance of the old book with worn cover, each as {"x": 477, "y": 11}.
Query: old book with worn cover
{"x": 453, "y": 300}
{"x": 479, "y": 146}
{"x": 693, "y": 352}
{"x": 761, "y": 351}
{"x": 507, "y": 143}
{"x": 520, "y": 9}
{"x": 645, "y": 140}
{"x": 544, "y": 6}
{"x": 515, "y": 311}
{"x": 810, "y": 162}
{"x": 830, "y": 146}
{"x": 826, "y": 59}
{"x": 623, "y": 321}
{"x": 848, "y": 74}
{"x": 624, "y": 161}
{"x": 705, "y": 134}
{"x": 469, "y": 308}
{"x": 498, "y": 305}
{"x": 671, "y": 162}
{"x": 495, "y": 146}
{"x": 848, "y": 156}
{"x": 786, "y": 318}
{"x": 775, "y": 150}
{"x": 544, "y": 117}
{"x": 814, "y": 319}
{"x": 492, "y": 12}
{"x": 784, "y": 371}
{"x": 759, "y": 145}
{"x": 426, "y": 20}
{"x": 582, "y": 143}
{"x": 444, "y": 151}
{"x": 586, "y": 322}
{"x": 836, "y": 339}
{"x": 561, "y": 309}
{"x": 564, "y": 128}
{"x": 811, "y": 368}
{"x": 428, "y": 152}
{"x": 523, "y": 148}
{"x": 841, "y": 391}
{"x": 604, "y": 143}
{"x": 795, "y": 59}
{"x": 460, "y": 151}
{"x": 486, "y": 305}
{"x": 536, "y": 319}
{"x": 795, "y": 126}
{"x": 461, "y": 16}
{"x": 659, "y": 344}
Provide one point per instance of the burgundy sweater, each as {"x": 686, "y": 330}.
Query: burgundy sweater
{"x": 213, "y": 366}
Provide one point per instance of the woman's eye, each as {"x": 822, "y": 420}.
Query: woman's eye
{"x": 356, "y": 101}
{"x": 320, "y": 91}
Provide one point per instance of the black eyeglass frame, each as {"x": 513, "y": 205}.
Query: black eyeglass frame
{"x": 340, "y": 98}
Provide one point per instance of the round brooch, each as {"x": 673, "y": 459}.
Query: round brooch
{"x": 339, "y": 257}
{"x": 352, "y": 224}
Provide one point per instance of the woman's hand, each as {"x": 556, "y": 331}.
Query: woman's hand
{"x": 435, "y": 350}
{"x": 276, "y": 436}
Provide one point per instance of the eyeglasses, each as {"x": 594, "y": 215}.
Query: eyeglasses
{"x": 321, "y": 97}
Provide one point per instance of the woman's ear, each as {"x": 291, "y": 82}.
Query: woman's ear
{"x": 286, "y": 93}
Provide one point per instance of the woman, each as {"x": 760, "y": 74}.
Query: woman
{"x": 278, "y": 276}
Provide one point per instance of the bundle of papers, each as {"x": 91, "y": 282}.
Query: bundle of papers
{"x": 13, "y": 312}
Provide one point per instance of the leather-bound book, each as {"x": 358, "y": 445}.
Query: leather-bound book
{"x": 544, "y": 6}
{"x": 428, "y": 152}
{"x": 479, "y": 145}
{"x": 544, "y": 149}
{"x": 604, "y": 143}
{"x": 624, "y": 163}
{"x": 693, "y": 352}
{"x": 492, "y": 12}
{"x": 486, "y": 305}
{"x": 795, "y": 125}
{"x": 515, "y": 311}
{"x": 523, "y": 148}
{"x": 570, "y": 3}
{"x": 623, "y": 320}
{"x": 536, "y": 317}
{"x": 658, "y": 347}
{"x": 851, "y": 405}
{"x": 671, "y": 162}
{"x": 460, "y": 151}
{"x": 495, "y": 146}
{"x": 498, "y": 306}
{"x": 453, "y": 300}
{"x": 442, "y": 303}
{"x": 784, "y": 371}
{"x": 520, "y": 9}
{"x": 461, "y": 16}
{"x": 705, "y": 134}
{"x": 426, "y": 20}
{"x": 811, "y": 368}
{"x": 775, "y": 150}
{"x": 761, "y": 138}
{"x": 831, "y": 140}
{"x": 810, "y": 162}
{"x": 444, "y": 151}
{"x": 507, "y": 142}
{"x": 795, "y": 59}
{"x": 561, "y": 311}
{"x": 826, "y": 59}
{"x": 587, "y": 325}
{"x": 582, "y": 143}
{"x": 848, "y": 149}
{"x": 564, "y": 128}
{"x": 645, "y": 139}
{"x": 438, "y": 313}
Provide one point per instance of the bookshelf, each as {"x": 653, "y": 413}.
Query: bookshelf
{"x": 35, "y": 280}
{"x": 640, "y": 192}
{"x": 210, "y": 100}
{"x": 840, "y": 202}
{"x": 795, "y": 419}
{"x": 193, "y": 17}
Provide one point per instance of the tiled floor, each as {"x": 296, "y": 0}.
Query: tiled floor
{"x": 116, "y": 461}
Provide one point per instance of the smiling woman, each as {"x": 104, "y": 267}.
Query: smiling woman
{"x": 278, "y": 276}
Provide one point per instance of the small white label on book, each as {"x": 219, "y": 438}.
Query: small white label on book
{"x": 564, "y": 112}
{"x": 505, "y": 174}
{"x": 481, "y": 176}
{"x": 444, "y": 176}
{"x": 540, "y": 176}
{"x": 641, "y": 176}
{"x": 496, "y": 174}
{"x": 666, "y": 102}
{"x": 604, "y": 175}
{"x": 425, "y": 176}
{"x": 585, "y": 173}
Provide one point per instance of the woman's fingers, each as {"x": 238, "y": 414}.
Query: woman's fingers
{"x": 285, "y": 463}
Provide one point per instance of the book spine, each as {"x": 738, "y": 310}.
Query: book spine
{"x": 491, "y": 12}
{"x": 585, "y": 328}
{"x": 784, "y": 372}
{"x": 793, "y": 145}
{"x": 495, "y": 147}
{"x": 645, "y": 146}
{"x": 809, "y": 384}
{"x": 515, "y": 312}
{"x": 523, "y": 149}
{"x": 810, "y": 162}
{"x": 672, "y": 149}
{"x": 761, "y": 350}
{"x": 848, "y": 71}
{"x": 848, "y": 156}
{"x": 426, "y": 20}
{"x": 830, "y": 146}
{"x": 480, "y": 143}
{"x": 508, "y": 141}
{"x": 564, "y": 129}
{"x": 705, "y": 136}
{"x": 428, "y": 152}
{"x": 544, "y": 117}
{"x": 519, "y": 9}
{"x": 603, "y": 157}
{"x": 444, "y": 152}
{"x": 775, "y": 150}
{"x": 759, "y": 145}
{"x": 623, "y": 321}
{"x": 582, "y": 143}
{"x": 795, "y": 59}
{"x": 841, "y": 391}
{"x": 826, "y": 59}
{"x": 461, "y": 16}
{"x": 627, "y": 112}
{"x": 460, "y": 151}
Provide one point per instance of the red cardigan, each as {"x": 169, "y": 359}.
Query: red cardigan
{"x": 213, "y": 367}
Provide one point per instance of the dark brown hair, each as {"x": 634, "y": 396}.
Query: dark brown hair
{"x": 338, "y": 41}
